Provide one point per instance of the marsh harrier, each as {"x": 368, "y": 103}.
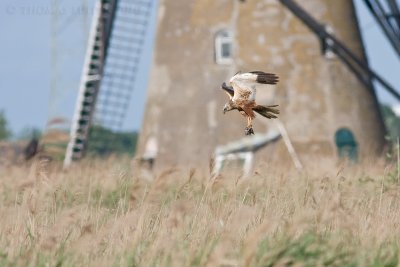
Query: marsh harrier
{"x": 242, "y": 96}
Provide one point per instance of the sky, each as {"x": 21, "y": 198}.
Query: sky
{"x": 42, "y": 48}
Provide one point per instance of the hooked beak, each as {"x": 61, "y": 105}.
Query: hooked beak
{"x": 224, "y": 110}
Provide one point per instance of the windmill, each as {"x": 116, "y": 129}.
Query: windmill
{"x": 110, "y": 69}
{"x": 328, "y": 104}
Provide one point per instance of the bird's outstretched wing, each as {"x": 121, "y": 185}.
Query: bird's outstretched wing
{"x": 228, "y": 89}
{"x": 264, "y": 78}
{"x": 244, "y": 84}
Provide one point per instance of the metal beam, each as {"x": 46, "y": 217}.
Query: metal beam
{"x": 383, "y": 19}
{"x": 357, "y": 66}
{"x": 395, "y": 13}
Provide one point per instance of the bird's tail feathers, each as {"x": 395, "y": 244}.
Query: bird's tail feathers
{"x": 269, "y": 112}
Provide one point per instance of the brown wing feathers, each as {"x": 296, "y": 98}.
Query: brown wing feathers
{"x": 266, "y": 78}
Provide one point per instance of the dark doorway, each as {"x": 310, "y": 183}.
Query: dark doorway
{"x": 346, "y": 145}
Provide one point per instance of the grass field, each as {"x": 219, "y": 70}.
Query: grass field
{"x": 101, "y": 213}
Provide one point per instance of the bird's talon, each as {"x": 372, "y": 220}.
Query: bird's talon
{"x": 248, "y": 131}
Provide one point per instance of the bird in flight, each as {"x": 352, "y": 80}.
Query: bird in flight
{"x": 242, "y": 96}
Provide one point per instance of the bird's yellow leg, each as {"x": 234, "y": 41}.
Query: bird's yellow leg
{"x": 249, "y": 128}
{"x": 249, "y": 122}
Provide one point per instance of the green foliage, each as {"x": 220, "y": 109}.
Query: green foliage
{"x": 116, "y": 198}
{"x": 200, "y": 257}
{"x": 5, "y": 133}
{"x": 392, "y": 123}
{"x": 103, "y": 142}
{"x": 312, "y": 249}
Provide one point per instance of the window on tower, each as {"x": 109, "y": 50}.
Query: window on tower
{"x": 223, "y": 47}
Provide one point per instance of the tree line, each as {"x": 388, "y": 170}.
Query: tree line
{"x": 103, "y": 141}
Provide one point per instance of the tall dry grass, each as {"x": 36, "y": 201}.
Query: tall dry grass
{"x": 101, "y": 213}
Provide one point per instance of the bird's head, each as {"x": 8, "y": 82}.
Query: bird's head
{"x": 228, "y": 107}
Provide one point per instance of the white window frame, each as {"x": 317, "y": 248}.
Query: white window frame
{"x": 221, "y": 38}
{"x": 328, "y": 53}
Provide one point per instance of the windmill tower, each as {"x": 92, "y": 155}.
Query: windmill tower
{"x": 201, "y": 43}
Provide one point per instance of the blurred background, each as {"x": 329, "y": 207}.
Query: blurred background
{"x": 78, "y": 72}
